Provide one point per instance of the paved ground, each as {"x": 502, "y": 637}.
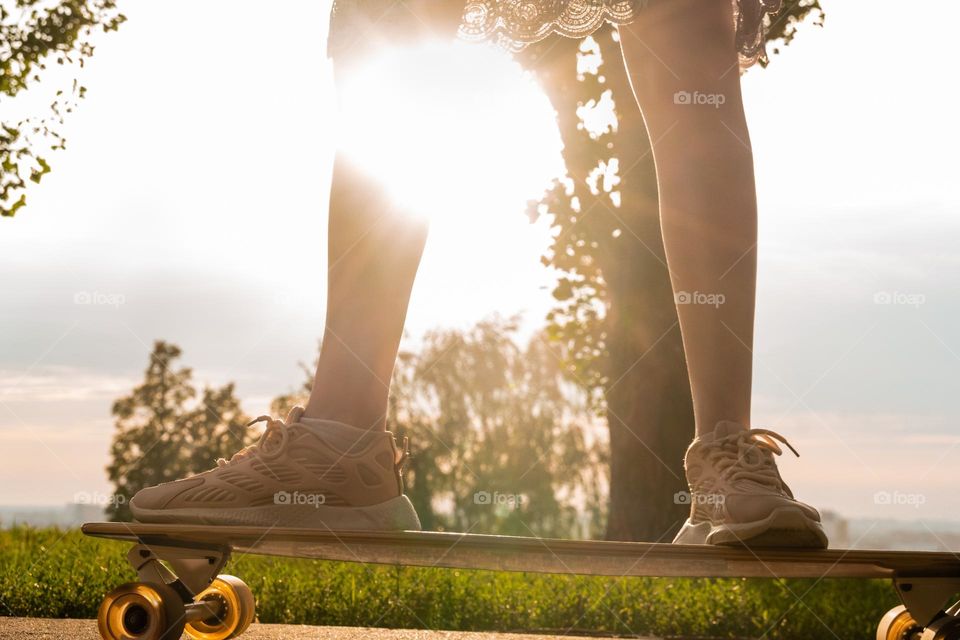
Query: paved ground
{"x": 35, "y": 628}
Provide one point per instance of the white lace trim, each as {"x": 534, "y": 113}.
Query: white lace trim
{"x": 515, "y": 24}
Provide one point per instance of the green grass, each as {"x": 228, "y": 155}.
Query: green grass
{"x": 52, "y": 573}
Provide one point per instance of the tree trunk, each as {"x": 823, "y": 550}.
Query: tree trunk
{"x": 650, "y": 419}
{"x": 649, "y": 410}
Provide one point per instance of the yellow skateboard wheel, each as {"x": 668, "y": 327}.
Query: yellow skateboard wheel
{"x": 237, "y": 610}
{"x": 898, "y": 624}
{"x": 141, "y": 611}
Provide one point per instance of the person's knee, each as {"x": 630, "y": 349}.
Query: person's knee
{"x": 683, "y": 53}
{"x": 692, "y": 26}
{"x": 705, "y": 152}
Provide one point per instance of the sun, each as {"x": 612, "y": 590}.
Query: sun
{"x": 460, "y": 134}
{"x": 456, "y": 132}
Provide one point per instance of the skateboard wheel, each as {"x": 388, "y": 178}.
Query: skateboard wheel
{"x": 141, "y": 611}
{"x": 898, "y": 624}
{"x": 237, "y": 610}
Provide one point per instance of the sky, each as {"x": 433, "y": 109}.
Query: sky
{"x": 190, "y": 206}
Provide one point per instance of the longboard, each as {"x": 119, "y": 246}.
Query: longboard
{"x": 195, "y": 554}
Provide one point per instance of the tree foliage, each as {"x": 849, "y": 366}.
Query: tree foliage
{"x": 783, "y": 27}
{"x": 501, "y": 442}
{"x": 34, "y": 34}
{"x": 504, "y": 443}
{"x": 164, "y": 431}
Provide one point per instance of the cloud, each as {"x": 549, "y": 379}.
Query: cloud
{"x": 59, "y": 383}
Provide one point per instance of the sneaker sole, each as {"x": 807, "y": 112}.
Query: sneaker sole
{"x": 396, "y": 514}
{"x": 784, "y": 527}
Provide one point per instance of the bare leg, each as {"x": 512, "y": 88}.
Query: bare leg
{"x": 707, "y": 193}
{"x": 374, "y": 252}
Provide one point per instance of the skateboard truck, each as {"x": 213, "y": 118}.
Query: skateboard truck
{"x": 188, "y": 595}
{"x": 924, "y": 599}
{"x": 193, "y": 569}
{"x": 922, "y": 615}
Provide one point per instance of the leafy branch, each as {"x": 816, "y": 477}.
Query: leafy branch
{"x": 33, "y": 35}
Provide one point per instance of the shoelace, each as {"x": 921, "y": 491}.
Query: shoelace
{"x": 734, "y": 456}
{"x": 274, "y": 426}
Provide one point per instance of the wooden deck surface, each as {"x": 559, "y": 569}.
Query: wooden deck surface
{"x": 540, "y": 555}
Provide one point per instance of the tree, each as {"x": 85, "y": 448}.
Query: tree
{"x": 163, "y": 434}
{"x": 615, "y": 314}
{"x": 32, "y": 34}
{"x": 501, "y": 442}
{"x": 504, "y": 443}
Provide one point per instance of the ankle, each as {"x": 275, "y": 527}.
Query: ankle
{"x": 366, "y": 416}
{"x": 709, "y": 427}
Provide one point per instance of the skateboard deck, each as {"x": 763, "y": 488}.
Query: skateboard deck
{"x": 539, "y": 555}
{"x": 924, "y": 580}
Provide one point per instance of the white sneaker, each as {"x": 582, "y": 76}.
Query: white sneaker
{"x": 302, "y": 473}
{"x": 737, "y": 496}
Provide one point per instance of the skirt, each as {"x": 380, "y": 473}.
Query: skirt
{"x": 358, "y": 25}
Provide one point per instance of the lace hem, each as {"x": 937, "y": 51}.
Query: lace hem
{"x": 514, "y": 24}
